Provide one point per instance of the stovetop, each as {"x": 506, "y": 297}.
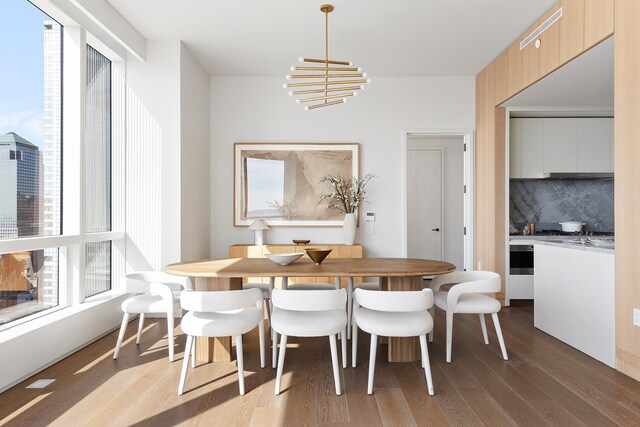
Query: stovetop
{"x": 566, "y": 233}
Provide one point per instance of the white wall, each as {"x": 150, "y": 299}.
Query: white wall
{"x": 153, "y": 157}
{"x": 194, "y": 158}
{"x": 258, "y": 109}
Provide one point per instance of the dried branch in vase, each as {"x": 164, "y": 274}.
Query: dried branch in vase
{"x": 347, "y": 194}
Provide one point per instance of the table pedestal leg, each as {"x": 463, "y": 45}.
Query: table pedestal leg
{"x": 215, "y": 349}
{"x": 403, "y": 349}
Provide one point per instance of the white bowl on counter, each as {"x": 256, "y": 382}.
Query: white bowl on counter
{"x": 284, "y": 259}
{"x": 571, "y": 226}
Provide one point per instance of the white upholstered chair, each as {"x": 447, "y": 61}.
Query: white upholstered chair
{"x": 370, "y": 284}
{"x": 309, "y": 314}
{"x": 222, "y": 314}
{"x": 392, "y": 314}
{"x": 467, "y": 296}
{"x": 157, "y": 294}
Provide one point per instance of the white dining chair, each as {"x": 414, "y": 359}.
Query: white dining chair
{"x": 222, "y": 314}
{"x": 392, "y": 314}
{"x": 158, "y": 294}
{"x": 266, "y": 289}
{"x": 309, "y": 314}
{"x": 370, "y": 284}
{"x": 467, "y": 295}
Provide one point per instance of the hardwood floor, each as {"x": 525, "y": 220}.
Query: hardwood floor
{"x": 545, "y": 382}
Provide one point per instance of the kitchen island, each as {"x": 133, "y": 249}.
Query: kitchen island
{"x": 574, "y": 295}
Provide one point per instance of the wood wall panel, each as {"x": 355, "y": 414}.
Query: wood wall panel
{"x": 480, "y": 213}
{"x": 598, "y": 21}
{"x": 571, "y": 29}
{"x": 627, "y": 196}
{"x": 514, "y": 69}
{"x": 530, "y": 60}
{"x": 549, "y": 44}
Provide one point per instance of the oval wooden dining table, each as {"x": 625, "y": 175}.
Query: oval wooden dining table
{"x": 396, "y": 274}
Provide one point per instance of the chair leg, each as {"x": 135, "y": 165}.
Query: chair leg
{"x": 344, "y": 348}
{"x": 496, "y": 324}
{"x": 140, "y": 326}
{"x": 123, "y": 329}
{"x": 240, "y": 363}
{"x": 349, "y": 305}
{"x": 449, "y": 334}
{"x": 185, "y": 363}
{"x": 283, "y": 349}
{"x": 354, "y": 344}
{"x": 170, "y": 328}
{"x": 372, "y": 362}
{"x": 193, "y": 354}
{"x": 334, "y": 362}
{"x": 261, "y": 332}
{"x": 484, "y": 329}
{"x": 268, "y": 307}
{"x": 425, "y": 363}
{"x": 274, "y": 348}
{"x": 432, "y": 312}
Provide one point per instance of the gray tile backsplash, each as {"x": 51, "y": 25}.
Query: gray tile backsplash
{"x": 546, "y": 202}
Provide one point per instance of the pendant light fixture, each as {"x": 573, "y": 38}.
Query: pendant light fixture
{"x": 337, "y": 80}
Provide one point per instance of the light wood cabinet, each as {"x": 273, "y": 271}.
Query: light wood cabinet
{"x": 259, "y": 251}
{"x": 598, "y": 21}
{"x": 526, "y": 148}
{"x": 595, "y": 145}
{"x": 549, "y": 44}
{"x": 560, "y": 145}
{"x": 571, "y": 29}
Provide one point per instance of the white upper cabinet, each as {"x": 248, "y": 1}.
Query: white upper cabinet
{"x": 526, "y": 148}
{"x": 560, "y": 145}
{"x": 539, "y": 146}
{"x": 595, "y": 145}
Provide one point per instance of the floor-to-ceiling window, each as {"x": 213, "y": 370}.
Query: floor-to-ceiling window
{"x": 30, "y": 159}
{"x": 56, "y": 196}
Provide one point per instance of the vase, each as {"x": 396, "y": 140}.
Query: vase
{"x": 349, "y": 229}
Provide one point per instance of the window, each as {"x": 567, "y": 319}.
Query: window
{"x": 30, "y": 157}
{"x": 97, "y": 170}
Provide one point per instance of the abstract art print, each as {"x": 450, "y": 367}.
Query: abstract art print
{"x": 282, "y": 182}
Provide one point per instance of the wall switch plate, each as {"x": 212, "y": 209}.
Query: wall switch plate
{"x": 636, "y": 316}
{"x": 370, "y": 216}
{"x": 370, "y": 229}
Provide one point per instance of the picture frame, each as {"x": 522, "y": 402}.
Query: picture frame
{"x": 281, "y": 182}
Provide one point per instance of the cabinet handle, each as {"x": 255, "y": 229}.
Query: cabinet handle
{"x": 435, "y": 229}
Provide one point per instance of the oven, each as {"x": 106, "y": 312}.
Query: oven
{"x": 520, "y": 259}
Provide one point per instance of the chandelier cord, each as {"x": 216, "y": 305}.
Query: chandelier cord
{"x": 326, "y": 53}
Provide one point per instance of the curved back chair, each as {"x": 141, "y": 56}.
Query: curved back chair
{"x": 467, "y": 296}
{"x": 309, "y": 314}
{"x": 158, "y": 293}
{"x": 222, "y": 314}
{"x": 392, "y": 314}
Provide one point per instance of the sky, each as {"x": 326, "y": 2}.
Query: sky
{"x": 21, "y": 70}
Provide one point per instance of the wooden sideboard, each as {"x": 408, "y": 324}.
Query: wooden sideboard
{"x": 259, "y": 251}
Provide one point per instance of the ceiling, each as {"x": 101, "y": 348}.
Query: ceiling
{"x": 587, "y": 81}
{"x": 406, "y": 38}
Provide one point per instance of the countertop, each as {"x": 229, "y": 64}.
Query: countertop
{"x": 572, "y": 244}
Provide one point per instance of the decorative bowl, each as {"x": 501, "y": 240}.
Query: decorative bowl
{"x": 284, "y": 259}
{"x": 318, "y": 254}
{"x": 301, "y": 242}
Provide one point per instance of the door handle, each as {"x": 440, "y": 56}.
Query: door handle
{"x": 435, "y": 229}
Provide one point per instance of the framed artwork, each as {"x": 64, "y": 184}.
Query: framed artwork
{"x": 281, "y": 182}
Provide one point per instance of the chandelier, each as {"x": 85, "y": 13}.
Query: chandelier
{"x": 336, "y": 80}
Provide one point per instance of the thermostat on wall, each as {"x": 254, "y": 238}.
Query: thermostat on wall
{"x": 370, "y": 216}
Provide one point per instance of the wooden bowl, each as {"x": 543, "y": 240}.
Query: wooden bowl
{"x": 318, "y": 254}
{"x": 301, "y": 242}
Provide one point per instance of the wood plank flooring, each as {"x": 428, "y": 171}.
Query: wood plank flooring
{"x": 545, "y": 382}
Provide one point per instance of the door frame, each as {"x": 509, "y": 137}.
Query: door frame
{"x": 467, "y": 136}
{"x": 442, "y": 177}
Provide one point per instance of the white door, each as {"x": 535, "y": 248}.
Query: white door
{"x": 424, "y": 203}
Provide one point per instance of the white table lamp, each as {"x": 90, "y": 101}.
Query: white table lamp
{"x": 259, "y": 226}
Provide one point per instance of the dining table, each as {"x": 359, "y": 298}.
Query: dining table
{"x": 395, "y": 274}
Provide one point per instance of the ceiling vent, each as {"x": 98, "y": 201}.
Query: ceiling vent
{"x": 546, "y": 24}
